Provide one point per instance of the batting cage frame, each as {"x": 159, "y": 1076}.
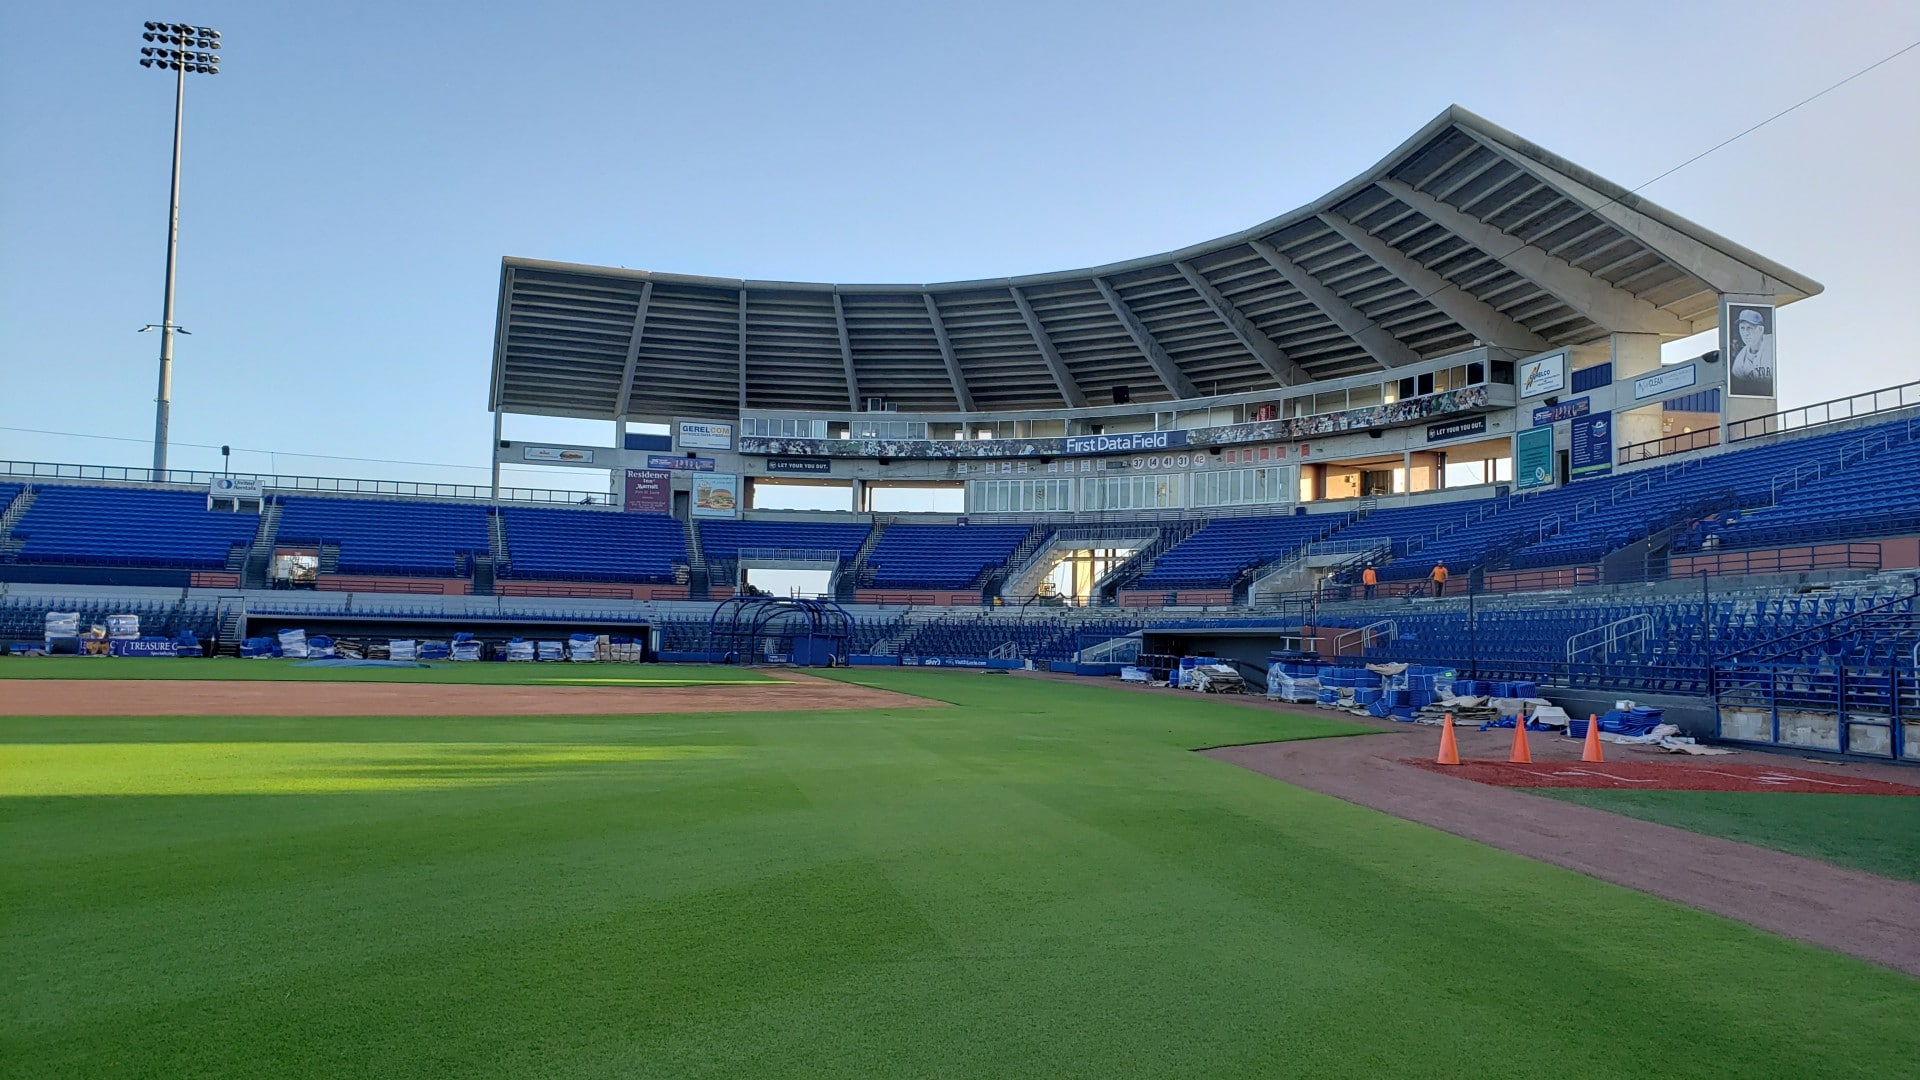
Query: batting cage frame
{"x": 778, "y": 630}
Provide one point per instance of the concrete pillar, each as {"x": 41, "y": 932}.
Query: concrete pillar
{"x": 1638, "y": 426}
{"x": 1634, "y": 354}
{"x": 859, "y": 487}
{"x": 493, "y": 455}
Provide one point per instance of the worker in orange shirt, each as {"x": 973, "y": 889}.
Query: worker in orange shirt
{"x": 1370, "y": 580}
{"x": 1439, "y": 579}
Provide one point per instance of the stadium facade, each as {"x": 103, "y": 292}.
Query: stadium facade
{"x": 1454, "y": 359}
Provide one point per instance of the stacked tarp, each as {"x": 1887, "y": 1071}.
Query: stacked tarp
{"x": 435, "y": 650}
{"x": 403, "y": 649}
{"x": 1282, "y": 685}
{"x": 464, "y": 648}
{"x": 583, "y": 648}
{"x": 293, "y": 643}
{"x": 320, "y": 647}
{"x": 123, "y": 627}
{"x": 551, "y": 652}
{"x": 187, "y": 645}
{"x": 63, "y": 632}
{"x": 259, "y": 648}
{"x": 520, "y": 651}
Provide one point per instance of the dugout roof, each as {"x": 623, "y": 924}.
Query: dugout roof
{"x": 1465, "y": 233}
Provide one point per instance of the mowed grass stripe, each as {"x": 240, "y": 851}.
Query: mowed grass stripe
{"x": 1876, "y": 833}
{"x": 1039, "y": 882}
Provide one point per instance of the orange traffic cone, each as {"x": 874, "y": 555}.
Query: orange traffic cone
{"x": 1591, "y": 751}
{"x": 1520, "y": 755}
{"x": 1449, "y": 750}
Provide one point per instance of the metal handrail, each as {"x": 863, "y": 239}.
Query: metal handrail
{"x": 1837, "y": 410}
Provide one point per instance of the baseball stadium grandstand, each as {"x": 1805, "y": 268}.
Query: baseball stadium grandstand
{"x": 1426, "y": 418}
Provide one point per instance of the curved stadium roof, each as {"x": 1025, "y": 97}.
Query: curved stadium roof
{"x": 1464, "y": 233}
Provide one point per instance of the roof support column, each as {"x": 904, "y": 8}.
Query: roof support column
{"x": 1271, "y": 356}
{"x": 1387, "y": 350}
{"x": 1170, "y": 374}
{"x": 961, "y": 396}
{"x": 1069, "y": 390}
{"x": 1481, "y": 318}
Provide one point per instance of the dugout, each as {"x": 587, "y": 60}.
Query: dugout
{"x": 1245, "y": 647}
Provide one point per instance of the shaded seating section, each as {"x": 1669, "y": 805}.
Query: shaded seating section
{"x": 23, "y": 618}
{"x": 417, "y": 538}
{"x": 724, "y": 539}
{"x": 941, "y": 556}
{"x": 1219, "y": 552}
{"x": 588, "y": 545}
{"x": 130, "y": 527}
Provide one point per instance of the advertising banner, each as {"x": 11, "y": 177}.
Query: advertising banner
{"x": 556, "y": 453}
{"x": 1748, "y": 344}
{"x": 705, "y": 435}
{"x": 1457, "y": 429}
{"x": 1533, "y": 458}
{"x": 1125, "y": 444}
{"x": 1591, "y": 453}
{"x": 805, "y": 466}
{"x": 649, "y": 491}
{"x": 1566, "y": 410}
{"x": 1677, "y": 378}
{"x": 716, "y": 496}
{"x": 243, "y": 487}
{"x": 146, "y": 646}
{"x": 1543, "y": 375}
{"x": 679, "y": 464}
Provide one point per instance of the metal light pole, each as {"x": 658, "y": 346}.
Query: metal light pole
{"x": 179, "y": 48}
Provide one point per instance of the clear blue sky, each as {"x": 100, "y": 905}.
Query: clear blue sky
{"x": 356, "y": 172}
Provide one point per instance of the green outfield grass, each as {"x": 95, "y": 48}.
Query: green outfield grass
{"x": 488, "y": 674}
{"x": 1876, "y": 833}
{"x": 1038, "y": 882}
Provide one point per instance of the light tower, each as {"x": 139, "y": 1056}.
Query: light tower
{"x": 181, "y": 49}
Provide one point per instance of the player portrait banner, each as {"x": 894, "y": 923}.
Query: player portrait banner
{"x": 1533, "y": 458}
{"x": 1543, "y": 375}
{"x": 649, "y": 491}
{"x": 1748, "y": 347}
{"x": 1590, "y": 452}
{"x": 716, "y": 495}
{"x": 1288, "y": 429}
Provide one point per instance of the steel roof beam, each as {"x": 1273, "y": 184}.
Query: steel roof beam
{"x": 1612, "y": 309}
{"x": 1170, "y": 374}
{"x": 1479, "y": 318}
{"x": 633, "y": 350}
{"x": 961, "y": 396}
{"x": 741, "y": 303}
{"x": 1069, "y": 390}
{"x": 1387, "y": 350}
{"x": 846, "y": 352}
